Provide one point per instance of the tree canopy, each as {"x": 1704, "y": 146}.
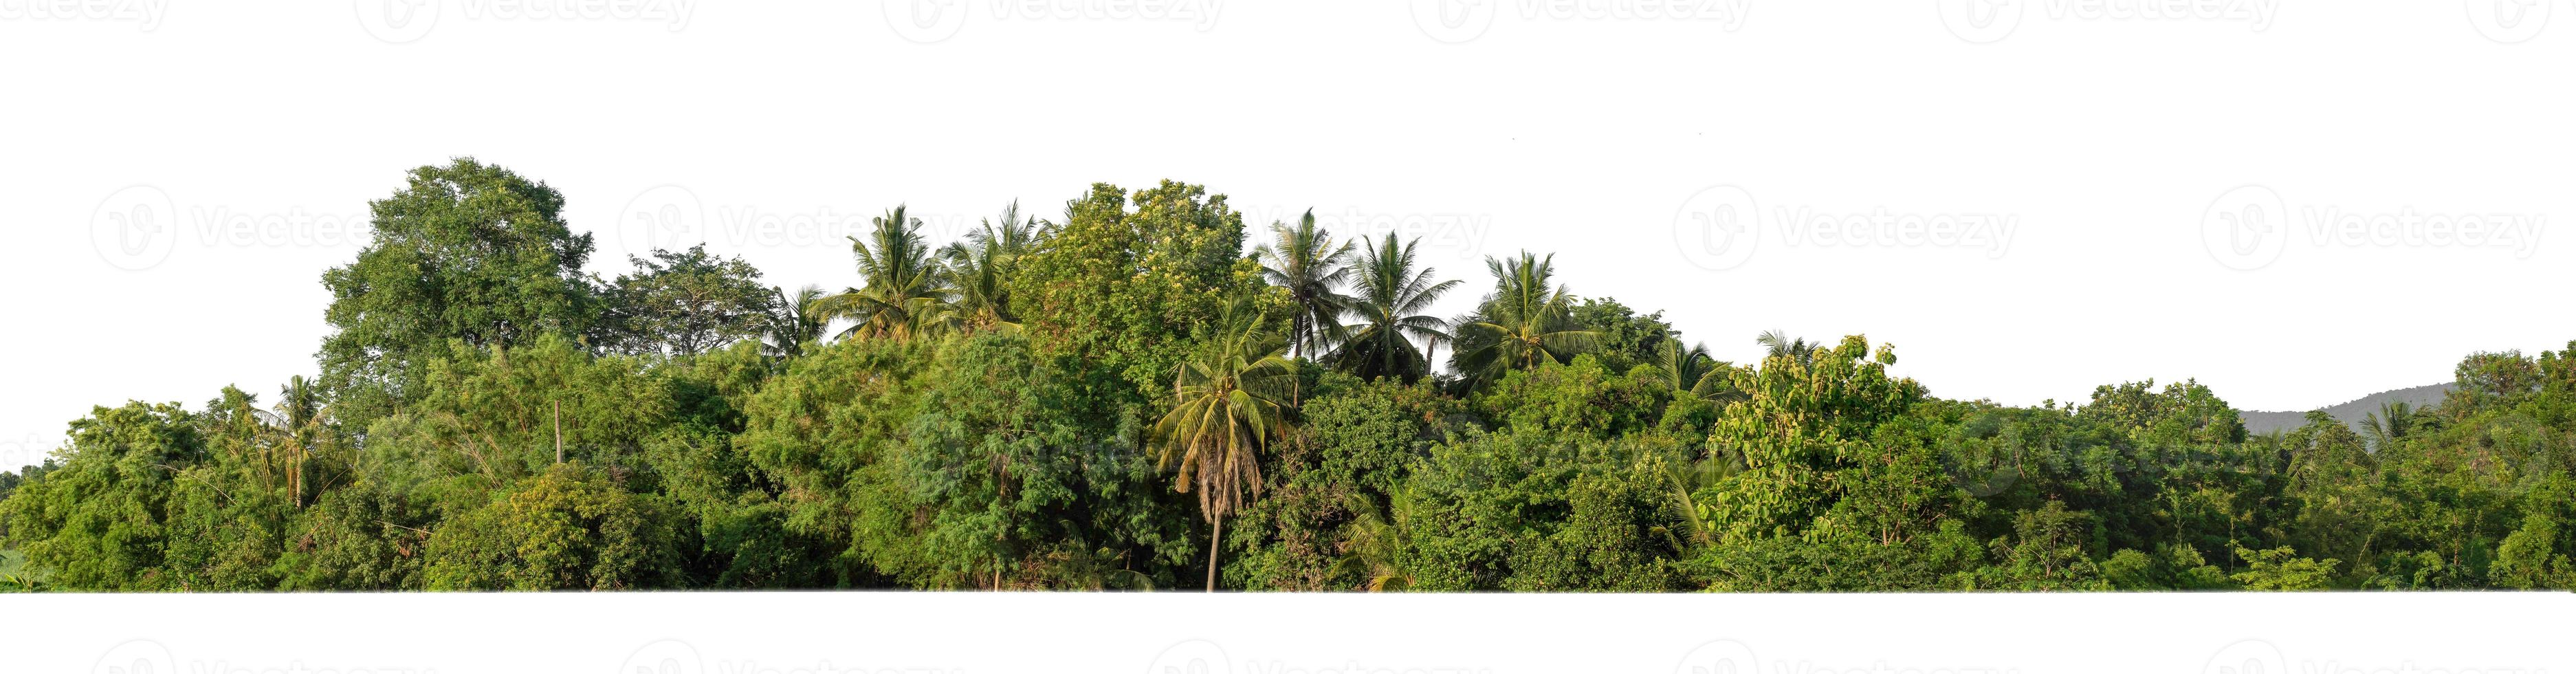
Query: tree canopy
{"x": 1128, "y": 398}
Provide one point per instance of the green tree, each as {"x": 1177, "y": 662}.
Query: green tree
{"x": 684, "y": 304}
{"x": 1389, "y": 298}
{"x": 905, "y": 294}
{"x": 464, "y": 251}
{"x": 1304, "y": 261}
{"x": 1526, "y": 321}
{"x": 1229, "y": 403}
{"x": 793, "y": 321}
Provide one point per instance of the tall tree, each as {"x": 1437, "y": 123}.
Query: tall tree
{"x": 904, "y": 293}
{"x": 684, "y": 303}
{"x": 1229, "y": 403}
{"x": 1389, "y": 298}
{"x": 464, "y": 251}
{"x": 1526, "y": 322}
{"x": 1304, "y": 260}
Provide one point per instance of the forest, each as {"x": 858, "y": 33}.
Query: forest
{"x": 1145, "y": 393}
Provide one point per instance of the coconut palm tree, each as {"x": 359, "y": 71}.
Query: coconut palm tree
{"x": 1388, "y": 300}
{"x": 1779, "y": 345}
{"x": 1373, "y": 544}
{"x": 1304, "y": 260}
{"x": 1230, "y": 401}
{"x": 793, "y": 321}
{"x": 1690, "y": 371}
{"x": 980, "y": 269}
{"x": 1526, "y": 322}
{"x": 905, "y": 292}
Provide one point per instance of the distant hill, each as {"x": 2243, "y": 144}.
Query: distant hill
{"x": 2350, "y": 413}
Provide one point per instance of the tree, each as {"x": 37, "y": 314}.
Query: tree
{"x": 904, "y": 293}
{"x": 1389, "y": 298}
{"x": 1229, "y": 403}
{"x": 1304, "y": 261}
{"x": 1777, "y": 344}
{"x": 1690, "y": 371}
{"x": 1524, "y": 323}
{"x": 793, "y": 320}
{"x": 981, "y": 268}
{"x": 464, "y": 251}
{"x": 684, "y": 304}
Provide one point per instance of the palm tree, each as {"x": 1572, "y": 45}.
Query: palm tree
{"x": 981, "y": 267}
{"x": 1389, "y": 300}
{"x": 1373, "y": 544}
{"x": 2388, "y": 425}
{"x": 793, "y": 321}
{"x": 904, "y": 293}
{"x": 1305, "y": 261}
{"x": 1526, "y": 322}
{"x": 1690, "y": 371}
{"x": 1230, "y": 400}
{"x": 1781, "y": 346}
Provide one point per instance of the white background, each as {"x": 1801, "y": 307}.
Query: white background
{"x": 2103, "y": 133}
{"x": 135, "y": 135}
{"x": 831, "y": 633}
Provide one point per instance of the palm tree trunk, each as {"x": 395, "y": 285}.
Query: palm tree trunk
{"x": 1216, "y": 536}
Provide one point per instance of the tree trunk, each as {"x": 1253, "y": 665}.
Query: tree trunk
{"x": 558, "y": 431}
{"x": 1216, "y": 537}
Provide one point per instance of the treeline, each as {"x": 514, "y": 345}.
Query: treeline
{"x": 1125, "y": 399}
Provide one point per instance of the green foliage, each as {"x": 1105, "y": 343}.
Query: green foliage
{"x": 464, "y": 252}
{"x": 683, "y": 304}
{"x": 1017, "y": 409}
